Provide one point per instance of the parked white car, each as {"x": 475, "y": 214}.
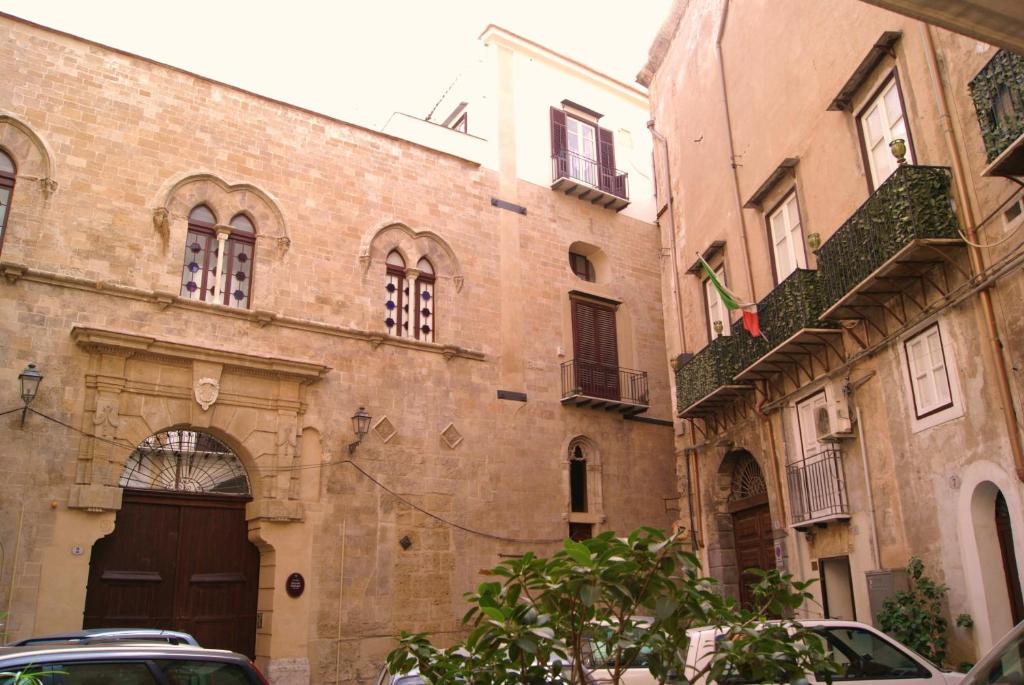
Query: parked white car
{"x": 1004, "y": 663}
{"x": 864, "y": 655}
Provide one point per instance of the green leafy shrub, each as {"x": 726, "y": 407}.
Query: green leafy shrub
{"x": 914, "y": 617}
{"x": 635, "y": 597}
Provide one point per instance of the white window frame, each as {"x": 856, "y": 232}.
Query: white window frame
{"x": 713, "y": 302}
{"x": 937, "y": 364}
{"x": 786, "y": 234}
{"x": 581, "y": 141}
{"x": 887, "y": 106}
{"x": 806, "y": 423}
{"x": 1011, "y": 223}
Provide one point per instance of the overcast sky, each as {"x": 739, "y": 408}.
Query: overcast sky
{"x": 350, "y": 59}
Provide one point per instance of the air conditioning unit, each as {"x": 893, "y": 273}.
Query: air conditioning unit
{"x": 832, "y": 421}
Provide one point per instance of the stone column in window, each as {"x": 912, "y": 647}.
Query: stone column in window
{"x": 409, "y": 305}
{"x": 222, "y": 249}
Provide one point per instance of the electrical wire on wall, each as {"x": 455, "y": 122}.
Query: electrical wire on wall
{"x": 491, "y": 536}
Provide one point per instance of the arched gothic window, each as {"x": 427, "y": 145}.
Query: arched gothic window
{"x": 585, "y": 499}
{"x": 7, "y": 174}
{"x": 425, "y": 300}
{"x": 396, "y": 306}
{"x": 217, "y": 266}
{"x": 409, "y": 298}
{"x": 578, "y": 480}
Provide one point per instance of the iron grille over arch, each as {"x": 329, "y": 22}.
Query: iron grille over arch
{"x": 186, "y": 461}
{"x": 747, "y": 479}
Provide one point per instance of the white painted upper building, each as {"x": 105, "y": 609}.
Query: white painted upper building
{"x": 560, "y": 124}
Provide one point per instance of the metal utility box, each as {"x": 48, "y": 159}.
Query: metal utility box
{"x": 883, "y": 584}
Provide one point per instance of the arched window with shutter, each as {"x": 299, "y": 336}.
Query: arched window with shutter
{"x": 7, "y": 175}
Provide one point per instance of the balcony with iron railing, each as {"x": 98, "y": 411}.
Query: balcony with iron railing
{"x": 903, "y": 230}
{"x": 998, "y": 94}
{"x": 789, "y": 319}
{"x": 585, "y": 178}
{"x": 704, "y": 383}
{"x": 612, "y": 388}
{"x": 817, "y": 488}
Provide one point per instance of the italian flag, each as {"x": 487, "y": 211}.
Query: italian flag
{"x": 731, "y": 302}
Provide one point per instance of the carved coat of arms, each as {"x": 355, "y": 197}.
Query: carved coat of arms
{"x": 206, "y": 391}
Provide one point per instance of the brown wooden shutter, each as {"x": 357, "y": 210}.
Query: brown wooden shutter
{"x": 559, "y": 143}
{"x": 595, "y": 348}
{"x": 606, "y": 159}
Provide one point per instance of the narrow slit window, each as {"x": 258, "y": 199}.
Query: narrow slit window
{"x": 578, "y": 480}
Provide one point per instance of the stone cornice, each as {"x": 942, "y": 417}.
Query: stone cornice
{"x": 118, "y": 342}
{"x": 662, "y": 42}
{"x": 13, "y": 273}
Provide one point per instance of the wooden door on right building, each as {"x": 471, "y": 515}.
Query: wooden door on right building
{"x": 755, "y": 547}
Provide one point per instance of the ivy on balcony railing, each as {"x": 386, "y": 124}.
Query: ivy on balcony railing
{"x": 913, "y": 203}
{"x": 795, "y": 303}
{"x": 998, "y": 94}
{"x": 716, "y": 365}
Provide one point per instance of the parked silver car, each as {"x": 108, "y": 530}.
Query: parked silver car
{"x": 91, "y": 636}
{"x": 132, "y": 663}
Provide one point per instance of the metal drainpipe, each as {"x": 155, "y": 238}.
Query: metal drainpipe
{"x": 669, "y": 212}
{"x": 732, "y": 151}
{"x": 875, "y": 554}
{"x": 977, "y": 262}
{"x": 677, "y": 300}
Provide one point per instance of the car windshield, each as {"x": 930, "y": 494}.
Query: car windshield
{"x": 1008, "y": 668}
{"x": 861, "y": 654}
{"x": 600, "y": 655}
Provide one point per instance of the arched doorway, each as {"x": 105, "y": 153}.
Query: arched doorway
{"x": 179, "y": 557}
{"x": 751, "y": 521}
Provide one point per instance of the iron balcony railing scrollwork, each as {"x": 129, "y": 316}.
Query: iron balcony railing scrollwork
{"x": 914, "y": 203}
{"x": 566, "y": 164}
{"x": 626, "y": 386}
{"x": 817, "y": 488}
{"x": 998, "y": 94}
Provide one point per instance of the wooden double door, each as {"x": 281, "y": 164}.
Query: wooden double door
{"x": 755, "y": 547}
{"x": 178, "y": 562}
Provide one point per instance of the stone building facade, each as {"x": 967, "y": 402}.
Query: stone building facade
{"x": 228, "y": 378}
{"x": 877, "y": 417}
